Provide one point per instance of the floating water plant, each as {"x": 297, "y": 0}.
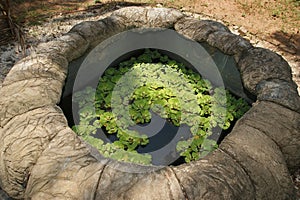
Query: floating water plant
{"x": 128, "y": 94}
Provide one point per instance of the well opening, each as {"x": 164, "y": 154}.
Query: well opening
{"x": 162, "y": 144}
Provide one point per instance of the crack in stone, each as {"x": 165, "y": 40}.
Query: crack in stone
{"x": 181, "y": 186}
{"x": 243, "y": 169}
{"x": 98, "y": 183}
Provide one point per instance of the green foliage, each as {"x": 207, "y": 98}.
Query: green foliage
{"x": 154, "y": 82}
{"x": 117, "y": 153}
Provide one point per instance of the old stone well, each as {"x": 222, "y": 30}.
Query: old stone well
{"x": 42, "y": 158}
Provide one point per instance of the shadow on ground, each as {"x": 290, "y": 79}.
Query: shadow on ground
{"x": 34, "y": 12}
{"x": 289, "y": 44}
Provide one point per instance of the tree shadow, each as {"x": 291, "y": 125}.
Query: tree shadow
{"x": 289, "y": 43}
{"x": 97, "y": 9}
{"x": 35, "y": 12}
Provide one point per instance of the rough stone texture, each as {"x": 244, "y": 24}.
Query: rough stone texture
{"x": 215, "y": 34}
{"x": 38, "y": 66}
{"x": 160, "y": 184}
{"x": 95, "y": 32}
{"x": 22, "y": 141}
{"x": 71, "y": 46}
{"x": 23, "y": 96}
{"x": 282, "y": 125}
{"x": 229, "y": 43}
{"x": 198, "y": 30}
{"x": 65, "y": 170}
{"x": 217, "y": 176}
{"x": 262, "y": 160}
{"x": 258, "y": 64}
{"x": 279, "y": 91}
{"x": 140, "y": 17}
{"x": 42, "y": 158}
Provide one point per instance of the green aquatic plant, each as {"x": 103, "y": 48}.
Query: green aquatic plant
{"x": 128, "y": 93}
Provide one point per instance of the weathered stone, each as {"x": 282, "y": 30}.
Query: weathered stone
{"x": 280, "y": 124}
{"x": 198, "y": 30}
{"x": 71, "y": 46}
{"x": 133, "y": 17}
{"x": 140, "y": 17}
{"x": 22, "y": 140}
{"x": 38, "y": 66}
{"x": 258, "y": 64}
{"x": 162, "y": 17}
{"x": 95, "y": 32}
{"x": 160, "y": 184}
{"x": 279, "y": 91}
{"x": 217, "y": 176}
{"x": 229, "y": 43}
{"x": 262, "y": 160}
{"x": 228, "y": 70}
{"x": 23, "y": 96}
{"x": 65, "y": 170}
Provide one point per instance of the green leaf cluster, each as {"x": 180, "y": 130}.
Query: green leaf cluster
{"x": 154, "y": 82}
{"x": 112, "y": 150}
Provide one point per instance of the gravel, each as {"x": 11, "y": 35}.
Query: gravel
{"x": 53, "y": 28}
